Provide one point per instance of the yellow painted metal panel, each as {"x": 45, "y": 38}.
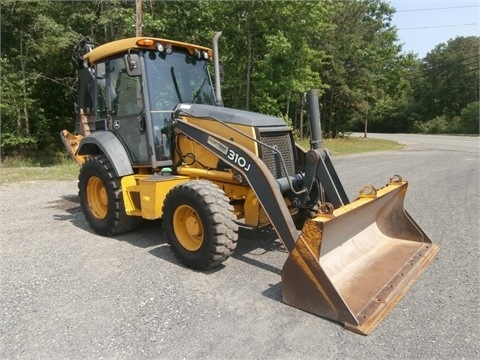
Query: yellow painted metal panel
{"x": 150, "y": 192}
{"x": 153, "y": 191}
{"x": 122, "y": 46}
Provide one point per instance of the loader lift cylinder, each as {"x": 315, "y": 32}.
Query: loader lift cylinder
{"x": 319, "y": 164}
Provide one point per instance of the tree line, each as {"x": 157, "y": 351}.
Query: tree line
{"x": 273, "y": 52}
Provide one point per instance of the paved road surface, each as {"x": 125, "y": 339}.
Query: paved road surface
{"x": 68, "y": 293}
{"x": 469, "y": 144}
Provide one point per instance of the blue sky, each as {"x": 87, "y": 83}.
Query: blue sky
{"x": 423, "y": 24}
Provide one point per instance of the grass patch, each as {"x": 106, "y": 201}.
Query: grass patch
{"x": 43, "y": 166}
{"x": 354, "y": 145}
{"x": 13, "y": 174}
{"x": 17, "y": 170}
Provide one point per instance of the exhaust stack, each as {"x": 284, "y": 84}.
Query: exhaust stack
{"x": 314, "y": 112}
{"x": 216, "y": 62}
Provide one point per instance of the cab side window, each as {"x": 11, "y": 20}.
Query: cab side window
{"x": 126, "y": 90}
{"x": 101, "y": 81}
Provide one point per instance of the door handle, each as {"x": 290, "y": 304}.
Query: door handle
{"x": 141, "y": 123}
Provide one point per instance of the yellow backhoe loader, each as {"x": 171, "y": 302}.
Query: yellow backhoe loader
{"x": 154, "y": 141}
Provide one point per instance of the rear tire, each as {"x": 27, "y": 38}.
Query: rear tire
{"x": 101, "y": 198}
{"x": 200, "y": 224}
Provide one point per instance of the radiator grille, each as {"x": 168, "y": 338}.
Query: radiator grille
{"x": 283, "y": 142}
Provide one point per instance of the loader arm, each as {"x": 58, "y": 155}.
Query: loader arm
{"x": 255, "y": 172}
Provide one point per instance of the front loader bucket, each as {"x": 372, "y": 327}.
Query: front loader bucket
{"x": 355, "y": 263}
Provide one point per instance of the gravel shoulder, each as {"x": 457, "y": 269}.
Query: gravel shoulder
{"x": 69, "y": 293}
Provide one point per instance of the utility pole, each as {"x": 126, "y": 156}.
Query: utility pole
{"x": 366, "y": 121}
{"x": 138, "y": 18}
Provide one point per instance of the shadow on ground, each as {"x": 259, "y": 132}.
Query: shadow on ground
{"x": 253, "y": 243}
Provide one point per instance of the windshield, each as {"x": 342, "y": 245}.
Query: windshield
{"x": 177, "y": 78}
{"x": 172, "y": 79}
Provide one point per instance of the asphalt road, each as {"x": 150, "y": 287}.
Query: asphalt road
{"x": 67, "y": 293}
{"x": 469, "y": 144}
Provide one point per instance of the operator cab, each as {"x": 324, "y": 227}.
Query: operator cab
{"x": 135, "y": 91}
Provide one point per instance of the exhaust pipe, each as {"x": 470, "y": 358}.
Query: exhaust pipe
{"x": 314, "y": 112}
{"x": 216, "y": 62}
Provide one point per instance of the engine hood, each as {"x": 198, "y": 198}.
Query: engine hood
{"x": 228, "y": 115}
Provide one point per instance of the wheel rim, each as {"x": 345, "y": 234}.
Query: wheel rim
{"x": 97, "y": 197}
{"x": 188, "y": 227}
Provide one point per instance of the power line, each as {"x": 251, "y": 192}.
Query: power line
{"x": 437, "y": 26}
{"x": 440, "y": 8}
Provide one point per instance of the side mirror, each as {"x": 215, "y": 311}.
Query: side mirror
{"x": 132, "y": 64}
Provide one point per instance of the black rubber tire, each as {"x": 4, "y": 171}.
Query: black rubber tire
{"x": 101, "y": 198}
{"x": 203, "y": 206}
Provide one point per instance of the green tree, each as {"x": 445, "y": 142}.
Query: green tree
{"x": 273, "y": 51}
{"x": 38, "y": 80}
{"x": 18, "y": 74}
{"x": 362, "y": 52}
{"x": 396, "y": 111}
{"x": 470, "y": 118}
{"x": 448, "y": 81}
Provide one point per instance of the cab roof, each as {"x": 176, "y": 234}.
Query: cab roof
{"x": 122, "y": 46}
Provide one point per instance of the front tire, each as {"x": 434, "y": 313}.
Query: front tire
{"x": 101, "y": 198}
{"x": 200, "y": 224}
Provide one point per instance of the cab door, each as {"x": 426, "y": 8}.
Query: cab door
{"x": 122, "y": 99}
